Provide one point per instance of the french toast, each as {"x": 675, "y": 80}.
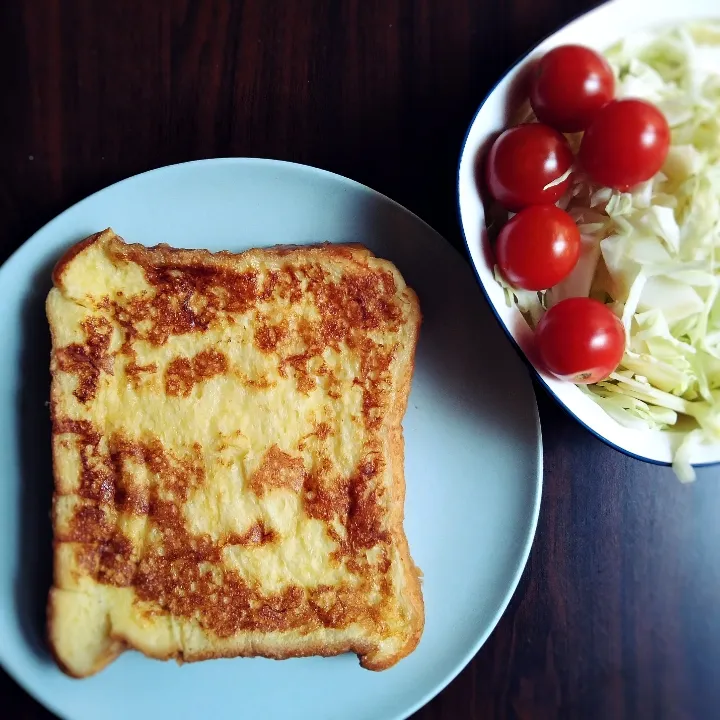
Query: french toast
{"x": 228, "y": 454}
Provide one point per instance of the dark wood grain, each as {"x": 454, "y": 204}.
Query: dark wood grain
{"x": 618, "y": 612}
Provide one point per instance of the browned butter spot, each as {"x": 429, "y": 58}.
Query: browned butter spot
{"x": 97, "y": 474}
{"x": 179, "y": 377}
{"x": 299, "y": 363}
{"x": 269, "y": 336}
{"x": 182, "y": 374}
{"x": 277, "y": 470}
{"x": 86, "y": 361}
{"x": 186, "y": 298}
{"x": 105, "y": 552}
{"x": 134, "y": 371}
{"x": 323, "y": 430}
{"x": 257, "y": 534}
{"x": 116, "y": 561}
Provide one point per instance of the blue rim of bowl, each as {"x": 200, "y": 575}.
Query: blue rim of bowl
{"x": 533, "y": 370}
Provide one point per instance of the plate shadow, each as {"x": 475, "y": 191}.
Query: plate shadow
{"x": 34, "y": 576}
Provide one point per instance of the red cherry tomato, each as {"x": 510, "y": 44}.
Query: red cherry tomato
{"x": 571, "y": 84}
{"x": 538, "y": 247}
{"x": 580, "y": 340}
{"x": 523, "y": 161}
{"x": 625, "y": 144}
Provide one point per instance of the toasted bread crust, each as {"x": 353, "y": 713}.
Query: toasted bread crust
{"x": 333, "y": 641}
{"x": 165, "y": 255}
{"x": 113, "y": 652}
{"x": 412, "y": 573}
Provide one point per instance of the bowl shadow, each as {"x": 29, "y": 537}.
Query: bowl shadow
{"x": 34, "y": 575}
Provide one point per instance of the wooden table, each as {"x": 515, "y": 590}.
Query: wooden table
{"x": 618, "y": 613}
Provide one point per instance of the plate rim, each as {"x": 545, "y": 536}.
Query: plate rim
{"x": 534, "y": 511}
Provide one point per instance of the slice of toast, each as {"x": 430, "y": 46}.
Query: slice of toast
{"x": 228, "y": 454}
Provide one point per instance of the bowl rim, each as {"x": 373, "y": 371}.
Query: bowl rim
{"x": 534, "y": 372}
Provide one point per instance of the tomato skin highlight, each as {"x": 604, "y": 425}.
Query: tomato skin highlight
{"x": 538, "y": 247}
{"x": 522, "y": 161}
{"x": 571, "y": 84}
{"x": 580, "y": 340}
{"x": 625, "y": 144}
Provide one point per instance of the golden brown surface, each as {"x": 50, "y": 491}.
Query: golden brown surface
{"x": 228, "y": 454}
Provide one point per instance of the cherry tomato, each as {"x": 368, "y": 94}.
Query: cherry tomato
{"x": 523, "y": 161}
{"x": 625, "y": 144}
{"x": 580, "y": 340}
{"x": 570, "y": 85}
{"x": 538, "y": 247}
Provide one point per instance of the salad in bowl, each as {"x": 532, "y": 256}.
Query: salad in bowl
{"x": 589, "y": 192}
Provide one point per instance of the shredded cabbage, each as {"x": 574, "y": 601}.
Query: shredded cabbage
{"x": 653, "y": 254}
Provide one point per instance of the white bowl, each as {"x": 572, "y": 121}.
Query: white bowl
{"x": 599, "y": 29}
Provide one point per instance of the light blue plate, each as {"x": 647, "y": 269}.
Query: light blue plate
{"x": 473, "y": 449}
